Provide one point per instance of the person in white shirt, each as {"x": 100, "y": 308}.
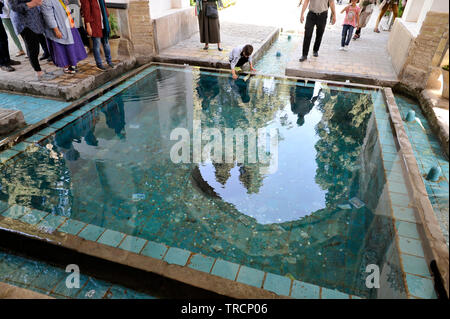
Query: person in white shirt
{"x": 239, "y": 56}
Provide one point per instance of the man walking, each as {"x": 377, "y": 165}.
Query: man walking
{"x": 317, "y": 17}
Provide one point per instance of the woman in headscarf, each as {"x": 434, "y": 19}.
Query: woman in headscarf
{"x": 64, "y": 41}
{"x": 208, "y": 21}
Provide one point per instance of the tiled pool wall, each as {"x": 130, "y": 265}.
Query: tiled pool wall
{"x": 396, "y": 196}
{"x": 50, "y": 280}
{"x": 408, "y": 240}
{"x": 428, "y": 153}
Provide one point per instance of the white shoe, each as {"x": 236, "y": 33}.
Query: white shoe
{"x": 342, "y": 49}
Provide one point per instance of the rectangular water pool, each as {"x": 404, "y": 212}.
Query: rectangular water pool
{"x": 312, "y": 205}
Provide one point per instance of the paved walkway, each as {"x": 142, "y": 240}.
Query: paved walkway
{"x": 190, "y": 51}
{"x": 367, "y": 60}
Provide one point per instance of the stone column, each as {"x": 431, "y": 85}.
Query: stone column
{"x": 141, "y": 28}
{"x": 426, "y": 52}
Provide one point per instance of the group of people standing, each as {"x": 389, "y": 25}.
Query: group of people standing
{"x": 52, "y": 25}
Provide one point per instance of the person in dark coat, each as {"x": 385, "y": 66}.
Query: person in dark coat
{"x": 209, "y": 25}
{"x": 95, "y": 16}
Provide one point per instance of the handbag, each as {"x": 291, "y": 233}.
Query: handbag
{"x": 212, "y": 12}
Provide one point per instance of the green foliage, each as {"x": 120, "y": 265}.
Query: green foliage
{"x": 114, "y": 25}
{"x": 445, "y": 67}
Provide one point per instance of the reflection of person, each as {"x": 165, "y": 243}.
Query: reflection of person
{"x": 115, "y": 116}
{"x": 209, "y": 25}
{"x": 302, "y": 102}
{"x": 240, "y": 86}
{"x": 389, "y": 5}
{"x": 317, "y": 17}
{"x": 207, "y": 89}
{"x": 64, "y": 140}
{"x": 239, "y": 56}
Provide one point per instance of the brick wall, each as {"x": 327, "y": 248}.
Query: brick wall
{"x": 141, "y": 28}
{"x": 426, "y": 52}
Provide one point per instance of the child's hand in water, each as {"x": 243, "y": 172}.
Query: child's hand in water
{"x": 253, "y": 69}
{"x": 235, "y": 76}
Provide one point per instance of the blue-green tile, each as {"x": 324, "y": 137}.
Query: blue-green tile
{"x": 51, "y": 222}
{"x": 225, "y": 269}
{"x": 111, "y": 238}
{"x": 303, "y": 290}
{"x": 91, "y": 232}
{"x": 71, "y": 226}
{"x": 415, "y": 265}
{"x": 277, "y": 284}
{"x": 6, "y": 155}
{"x": 177, "y": 256}
{"x": 16, "y": 211}
{"x": 62, "y": 289}
{"x": 411, "y": 246}
{"x": 333, "y": 294}
{"x": 3, "y": 206}
{"x": 407, "y": 229}
{"x": 33, "y": 217}
{"x": 21, "y": 147}
{"x": 133, "y": 244}
{"x": 94, "y": 289}
{"x": 155, "y": 250}
{"x": 201, "y": 263}
{"x": 403, "y": 213}
{"x": 421, "y": 287}
{"x": 250, "y": 276}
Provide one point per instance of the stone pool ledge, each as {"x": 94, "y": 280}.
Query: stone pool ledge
{"x": 212, "y": 274}
{"x": 64, "y": 87}
{"x": 12, "y": 292}
{"x": 437, "y": 251}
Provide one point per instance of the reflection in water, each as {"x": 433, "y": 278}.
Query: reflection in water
{"x": 287, "y": 223}
{"x": 115, "y": 116}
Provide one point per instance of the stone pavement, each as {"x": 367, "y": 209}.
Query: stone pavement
{"x": 64, "y": 86}
{"x": 367, "y": 61}
{"x": 190, "y": 51}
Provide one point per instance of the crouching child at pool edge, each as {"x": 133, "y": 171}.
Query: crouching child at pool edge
{"x": 239, "y": 56}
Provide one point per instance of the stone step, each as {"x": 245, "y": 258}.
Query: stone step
{"x": 10, "y": 120}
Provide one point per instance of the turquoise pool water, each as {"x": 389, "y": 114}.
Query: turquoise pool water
{"x": 273, "y": 63}
{"x": 312, "y": 219}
